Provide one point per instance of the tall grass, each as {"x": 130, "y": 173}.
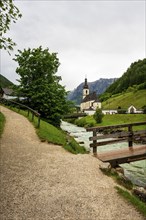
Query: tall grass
{"x": 2, "y": 123}
{"x": 139, "y": 205}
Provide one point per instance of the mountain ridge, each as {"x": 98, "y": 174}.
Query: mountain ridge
{"x": 134, "y": 76}
{"x": 4, "y": 82}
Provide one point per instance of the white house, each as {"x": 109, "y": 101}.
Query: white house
{"x": 133, "y": 110}
{"x": 6, "y": 93}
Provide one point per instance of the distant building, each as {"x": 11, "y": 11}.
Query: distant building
{"x": 90, "y": 100}
{"x": 109, "y": 112}
{"x": 133, "y": 110}
{"x": 6, "y": 93}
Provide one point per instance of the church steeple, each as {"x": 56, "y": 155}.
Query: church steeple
{"x": 85, "y": 84}
{"x": 85, "y": 89}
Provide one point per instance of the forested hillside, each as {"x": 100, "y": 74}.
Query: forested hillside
{"x": 135, "y": 75}
{"x": 4, "y": 82}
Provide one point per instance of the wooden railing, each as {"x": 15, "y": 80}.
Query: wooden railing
{"x": 115, "y": 134}
{"x": 74, "y": 115}
{"x": 19, "y": 106}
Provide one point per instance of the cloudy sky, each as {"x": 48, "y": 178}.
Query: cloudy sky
{"x": 99, "y": 39}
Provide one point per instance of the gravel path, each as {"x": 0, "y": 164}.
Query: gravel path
{"x": 41, "y": 181}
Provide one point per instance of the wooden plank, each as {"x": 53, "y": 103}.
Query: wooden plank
{"x": 101, "y": 128}
{"x": 119, "y": 135}
{"x": 97, "y": 144}
{"x": 123, "y": 155}
{"x": 75, "y": 115}
{"x": 94, "y": 143}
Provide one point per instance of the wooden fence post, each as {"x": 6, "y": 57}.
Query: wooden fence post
{"x": 38, "y": 121}
{"x": 94, "y": 143}
{"x": 130, "y": 141}
{"x": 32, "y": 116}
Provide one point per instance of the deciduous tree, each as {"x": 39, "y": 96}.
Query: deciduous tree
{"x": 40, "y": 84}
{"x": 8, "y": 13}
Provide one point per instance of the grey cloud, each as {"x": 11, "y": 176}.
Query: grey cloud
{"x": 97, "y": 38}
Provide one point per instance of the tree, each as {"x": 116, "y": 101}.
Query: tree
{"x": 144, "y": 109}
{"x": 98, "y": 115}
{"x": 40, "y": 84}
{"x": 9, "y": 13}
{"x": 134, "y": 76}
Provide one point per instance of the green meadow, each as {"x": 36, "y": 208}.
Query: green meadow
{"x": 124, "y": 100}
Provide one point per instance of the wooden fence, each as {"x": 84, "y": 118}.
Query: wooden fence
{"x": 116, "y": 134}
{"x": 19, "y": 106}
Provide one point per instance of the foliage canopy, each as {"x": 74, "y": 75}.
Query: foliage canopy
{"x": 9, "y": 13}
{"x": 40, "y": 84}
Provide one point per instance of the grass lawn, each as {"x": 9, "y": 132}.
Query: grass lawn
{"x": 2, "y": 123}
{"x": 137, "y": 98}
{"x": 115, "y": 119}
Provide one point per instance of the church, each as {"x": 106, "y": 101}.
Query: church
{"x": 90, "y": 100}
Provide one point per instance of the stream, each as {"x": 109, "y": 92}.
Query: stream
{"x": 135, "y": 171}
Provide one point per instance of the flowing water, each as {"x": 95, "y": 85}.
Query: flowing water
{"x": 135, "y": 171}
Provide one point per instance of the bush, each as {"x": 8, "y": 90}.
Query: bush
{"x": 81, "y": 122}
{"x": 142, "y": 86}
{"x": 90, "y": 124}
{"x": 98, "y": 115}
{"x": 144, "y": 109}
{"x": 121, "y": 111}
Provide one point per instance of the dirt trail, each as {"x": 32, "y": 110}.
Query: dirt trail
{"x": 41, "y": 181}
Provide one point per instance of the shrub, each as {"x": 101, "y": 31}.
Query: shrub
{"x": 121, "y": 111}
{"x": 144, "y": 109}
{"x": 98, "y": 115}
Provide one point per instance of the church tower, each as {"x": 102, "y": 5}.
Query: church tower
{"x": 85, "y": 89}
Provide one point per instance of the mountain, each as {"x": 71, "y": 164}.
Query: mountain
{"x": 4, "y": 82}
{"x": 98, "y": 86}
{"x": 134, "y": 76}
